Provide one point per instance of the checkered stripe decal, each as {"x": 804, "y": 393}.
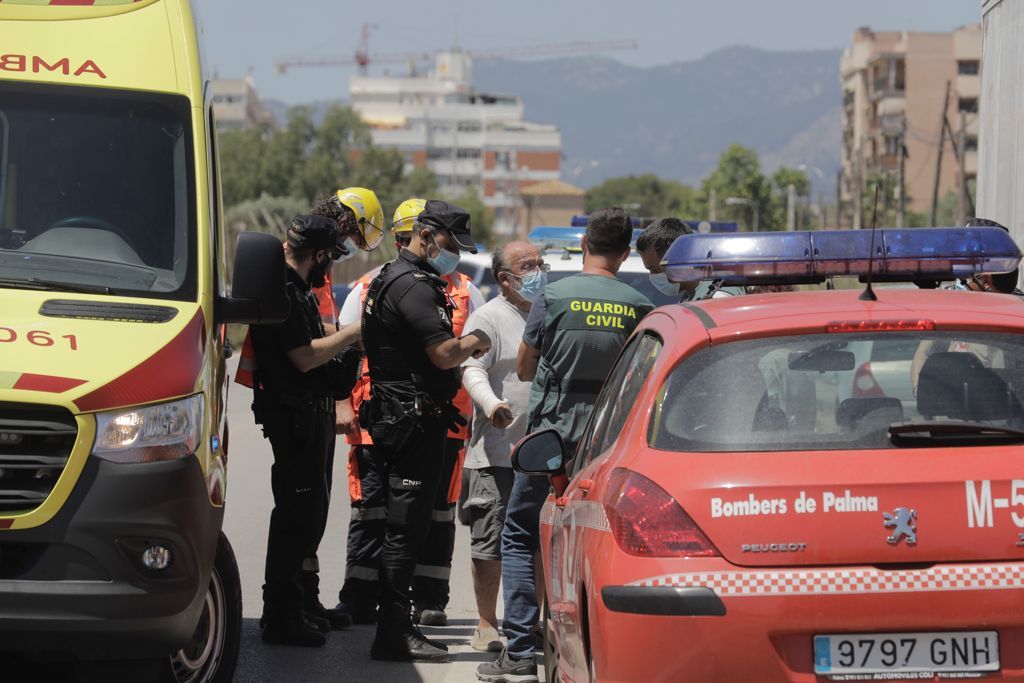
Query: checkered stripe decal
{"x": 847, "y": 581}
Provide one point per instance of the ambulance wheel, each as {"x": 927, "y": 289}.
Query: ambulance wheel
{"x": 550, "y": 649}
{"x": 211, "y": 655}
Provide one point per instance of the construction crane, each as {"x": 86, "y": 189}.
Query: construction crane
{"x": 362, "y": 59}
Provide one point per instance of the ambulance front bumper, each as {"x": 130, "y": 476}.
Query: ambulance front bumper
{"x": 77, "y": 586}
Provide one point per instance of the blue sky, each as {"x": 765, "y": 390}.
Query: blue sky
{"x": 248, "y": 36}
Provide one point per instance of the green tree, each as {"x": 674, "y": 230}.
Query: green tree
{"x": 481, "y": 218}
{"x": 644, "y": 195}
{"x": 241, "y": 162}
{"x": 739, "y": 175}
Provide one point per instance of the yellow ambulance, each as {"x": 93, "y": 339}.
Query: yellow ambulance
{"x": 113, "y": 307}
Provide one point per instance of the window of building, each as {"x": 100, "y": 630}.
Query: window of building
{"x": 971, "y": 143}
{"x": 968, "y": 105}
{"x": 968, "y": 67}
{"x": 435, "y": 153}
{"x": 469, "y": 153}
{"x": 469, "y": 126}
{"x": 502, "y": 160}
{"x": 892, "y": 145}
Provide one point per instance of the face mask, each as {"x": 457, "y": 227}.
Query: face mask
{"x": 661, "y": 283}
{"x": 532, "y": 284}
{"x": 318, "y": 275}
{"x": 350, "y": 245}
{"x": 445, "y": 262}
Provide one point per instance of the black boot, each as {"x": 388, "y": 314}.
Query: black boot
{"x": 315, "y": 610}
{"x": 406, "y": 646}
{"x": 355, "y": 613}
{"x": 320, "y": 624}
{"x": 292, "y": 629}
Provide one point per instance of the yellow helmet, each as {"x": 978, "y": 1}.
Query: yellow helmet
{"x": 406, "y": 214}
{"x": 369, "y": 214}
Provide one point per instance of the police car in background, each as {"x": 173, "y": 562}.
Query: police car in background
{"x": 728, "y": 517}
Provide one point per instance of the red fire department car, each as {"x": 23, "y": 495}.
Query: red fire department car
{"x": 736, "y": 511}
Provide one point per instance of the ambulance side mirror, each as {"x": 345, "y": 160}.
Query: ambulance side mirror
{"x": 541, "y": 453}
{"x": 258, "y": 283}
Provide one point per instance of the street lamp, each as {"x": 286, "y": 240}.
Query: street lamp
{"x": 742, "y": 201}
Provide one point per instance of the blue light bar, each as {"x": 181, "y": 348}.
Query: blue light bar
{"x": 551, "y": 237}
{"x": 808, "y": 257}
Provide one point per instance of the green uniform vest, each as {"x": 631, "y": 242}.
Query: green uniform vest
{"x": 588, "y": 320}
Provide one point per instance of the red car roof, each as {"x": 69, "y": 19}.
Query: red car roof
{"x": 810, "y": 312}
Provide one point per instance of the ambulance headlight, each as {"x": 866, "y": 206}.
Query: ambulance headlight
{"x": 166, "y": 431}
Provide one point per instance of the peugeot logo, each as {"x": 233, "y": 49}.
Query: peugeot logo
{"x": 903, "y": 522}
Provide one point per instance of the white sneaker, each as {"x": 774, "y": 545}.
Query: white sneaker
{"x": 487, "y": 640}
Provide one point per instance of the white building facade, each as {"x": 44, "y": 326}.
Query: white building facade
{"x": 466, "y": 138}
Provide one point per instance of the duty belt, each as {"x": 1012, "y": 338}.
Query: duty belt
{"x": 322, "y": 405}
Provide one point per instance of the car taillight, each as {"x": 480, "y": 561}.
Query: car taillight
{"x": 879, "y": 325}
{"x": 864, "y": 383}
{"x": 648, "y": 522}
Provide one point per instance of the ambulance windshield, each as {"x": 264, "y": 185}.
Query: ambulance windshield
{"x": 839, "y": 391}
{"x": 97, "y": 192}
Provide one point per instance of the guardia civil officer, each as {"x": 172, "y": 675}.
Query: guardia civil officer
{"x": 297, "y": 376}
{"x": 413, "y": 359}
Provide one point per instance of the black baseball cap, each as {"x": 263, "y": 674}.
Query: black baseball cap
{"x": 313, "y": 232}
{"x": 450, "y": 218}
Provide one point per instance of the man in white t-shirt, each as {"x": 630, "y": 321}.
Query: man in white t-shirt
{"x": 499, "y": 421}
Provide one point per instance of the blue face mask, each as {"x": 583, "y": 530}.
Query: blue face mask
{"x": 533, "y": 284}
{"x": 445, "y": 262}
{"x": 661, "y": 283}
{"x": 350, "y": 245}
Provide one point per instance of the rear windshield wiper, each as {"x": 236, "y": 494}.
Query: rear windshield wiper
{"x": 951, "y": 433}
{"x": 53, "y": 285}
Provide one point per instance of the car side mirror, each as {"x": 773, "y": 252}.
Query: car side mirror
{"x": 542, "y": 452}
{"x": 258, "y": 294}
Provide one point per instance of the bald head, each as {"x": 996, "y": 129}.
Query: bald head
{"x": 510, "y": 262}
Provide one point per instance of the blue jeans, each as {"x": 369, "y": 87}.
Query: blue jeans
{"x": 520, "y": 540}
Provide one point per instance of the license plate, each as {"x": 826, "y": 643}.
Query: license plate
{"x": 870, "y": 656}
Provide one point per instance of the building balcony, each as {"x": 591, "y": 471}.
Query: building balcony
{"x": 968, "y": 86}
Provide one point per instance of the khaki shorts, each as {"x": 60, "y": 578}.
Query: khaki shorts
{"x": 489, "y": 489}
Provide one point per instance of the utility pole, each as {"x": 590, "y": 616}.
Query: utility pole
{"x": 938, "y": 161}
{"x": 713, "y": 204}
{"x": 791, "y": 207}
{"x": 961, "y": 175}
{"x": 901, "y": 189}
{"x": 960, "y": 153}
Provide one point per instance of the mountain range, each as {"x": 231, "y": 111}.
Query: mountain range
{"x": 675, "y": 120}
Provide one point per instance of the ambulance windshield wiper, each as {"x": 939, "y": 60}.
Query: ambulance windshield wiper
{"x": 952, "y": 433}
{"x": 52, "y": 285}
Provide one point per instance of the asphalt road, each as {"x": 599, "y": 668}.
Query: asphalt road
{"x": 346, "y": 655}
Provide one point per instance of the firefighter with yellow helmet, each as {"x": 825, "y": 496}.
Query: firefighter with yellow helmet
{"x": 367, "y": 478}
{"x": 358, "y": 220}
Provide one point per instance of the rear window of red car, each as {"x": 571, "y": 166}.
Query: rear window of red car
{"x": 837, "y": 391}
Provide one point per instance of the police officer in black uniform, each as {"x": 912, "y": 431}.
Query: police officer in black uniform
{"x": 299, "y": 372}
{"x": 414, "y": 361}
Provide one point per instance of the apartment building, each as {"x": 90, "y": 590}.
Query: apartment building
{"x": 894, "y": 84}
{"x": 469, "y": 139}
{"x": 236, "y": 104}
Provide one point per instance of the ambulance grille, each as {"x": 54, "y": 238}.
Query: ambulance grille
{"x": 35, "y": 443}
{"x": 103, "y": 310}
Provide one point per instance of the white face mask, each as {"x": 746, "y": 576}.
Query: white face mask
{"x": 661, "y": 283}
{"x": 350, "y": 245}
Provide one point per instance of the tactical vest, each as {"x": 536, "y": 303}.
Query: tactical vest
{"x": 392, "y": 358}
{"x": 587, "y": 322}
{"x": 458, "y": 290}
